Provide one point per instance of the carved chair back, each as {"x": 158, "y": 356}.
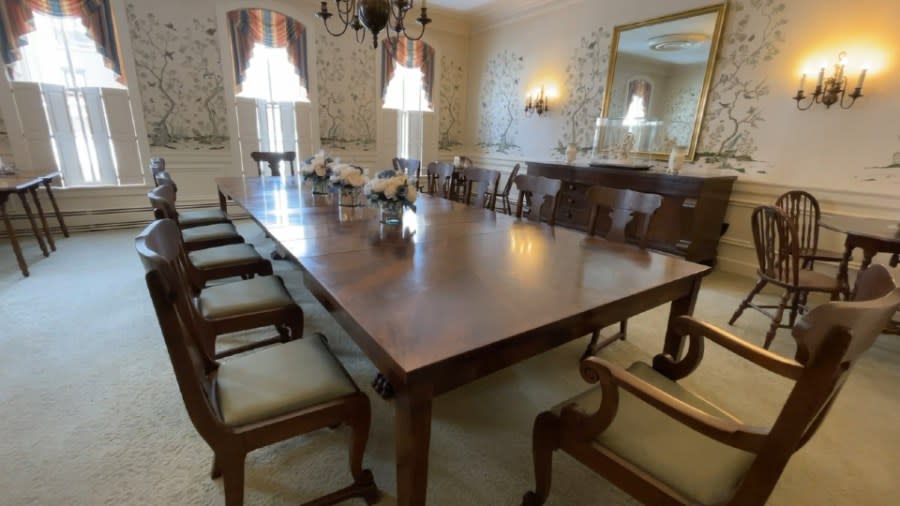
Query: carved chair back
{"x": 440, "y": 178}
{"x": 777, "y": 251}
{"x": 509, "y": 182}
{"x": 487, "y": 180}
{"x": 274, "y": 160}
{"x": 162, "y": 198}
{"x": 622, "y": 207}
{"x": 164, "y": 178}
{"x": 544, "y": 195}
{"x": 159, "y": 255}
{"x": 157, "y": 167}
{"x": 803, "y": 210}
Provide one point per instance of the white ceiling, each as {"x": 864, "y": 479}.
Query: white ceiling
{"x": 636, "y": 41}
{"x": 459, "y": 5}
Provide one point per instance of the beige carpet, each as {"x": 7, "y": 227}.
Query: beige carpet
{"x": 91, "y": 413}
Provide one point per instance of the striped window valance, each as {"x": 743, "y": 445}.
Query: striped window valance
{"x": 412, "y": 54}
{"x": 18, "y": 21}
{"x": 272, "y": 29}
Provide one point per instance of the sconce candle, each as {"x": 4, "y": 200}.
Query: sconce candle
{"x": 802, "y": 81}
{"x": 537, "y": 103}
{"x": 832, "y": 90}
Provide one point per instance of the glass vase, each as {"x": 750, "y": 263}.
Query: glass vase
{"x": 391, "y": 212}
{"x": 320, "y": 186}
{"x": 350, "y": 197}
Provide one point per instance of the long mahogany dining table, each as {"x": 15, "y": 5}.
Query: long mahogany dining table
{"x": 456, "y": 292}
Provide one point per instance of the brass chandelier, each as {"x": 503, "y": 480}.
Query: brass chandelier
{"x": 374, "y": 16}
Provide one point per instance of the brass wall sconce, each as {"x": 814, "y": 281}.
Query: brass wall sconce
{"x": 537, "y": 102}
{"x": 832, "y": 90}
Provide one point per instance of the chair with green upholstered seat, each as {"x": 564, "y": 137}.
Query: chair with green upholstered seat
{"x": 162, "y": 199}
{"x": 664, "y": 444}
{"x": 255, "y": 399}
{"x": 228, "y": 307}
{"x": 186, "y": 219}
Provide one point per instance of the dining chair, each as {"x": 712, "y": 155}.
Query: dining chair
{"x": 440, "y": 179}
{"x": 506, "y": 205}
{"x": 803, "y": 209}
{"x": 777, "y": 246}
{"x": 544, "y": 195}
{"x": 274, "y": 159}
{"x": 411, "y": 168}
{"x": 157, "y": 165}
{"x": 256, "y": 399}
{"x": 487, "y": 180}
{"x": 196, "y": 235}
{"x": 194, "y": 218}
{"x": 228, "y": 307}
{"x": 662, "y": 443}
{"x": 616, "y": 209}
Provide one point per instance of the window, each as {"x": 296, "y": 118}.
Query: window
{"x": 406, "y": 93}
{"x": 639, "y": 92}
{"x": 271, "y": 80}
{"x": 61, "y": 56}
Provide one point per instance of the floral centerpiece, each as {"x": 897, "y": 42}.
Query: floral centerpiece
{"x": 349, "y": 180}
{"x": 392, "y": 191}
{"x": 318, "y": 169}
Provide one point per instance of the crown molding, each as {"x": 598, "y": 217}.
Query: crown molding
{"x": 506, "y": 12}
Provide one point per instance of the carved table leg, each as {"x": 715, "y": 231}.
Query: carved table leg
{"x": 11, "y": 233}
{"x": 59, "y": 217}
{"x": 223, "y": 202}
{"x": 34, "y": 228}
{"x": 40, "y": 211}
{"x": 413, "y": 433}
{"x": 680, "y": 307}
{"x": 844, "y": 267}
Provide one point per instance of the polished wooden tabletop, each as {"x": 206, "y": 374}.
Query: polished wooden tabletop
{"x": 883, "y": 230}
{"x": 457, "y": 292}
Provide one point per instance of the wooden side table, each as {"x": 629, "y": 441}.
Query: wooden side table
{"x": 23, "y": 185}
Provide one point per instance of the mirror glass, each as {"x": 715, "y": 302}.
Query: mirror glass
{"x": 660, "y": 72}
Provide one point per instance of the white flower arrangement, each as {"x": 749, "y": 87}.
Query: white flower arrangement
{"x": 390, "y": 186}
{"x": 317, "y": 168}
{"x": 349, "y": 176}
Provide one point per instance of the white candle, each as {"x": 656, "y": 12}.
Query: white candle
{"x": 802, "y": 81}
{"x": 821, "y": 77}
{"x": 862, "y": 78}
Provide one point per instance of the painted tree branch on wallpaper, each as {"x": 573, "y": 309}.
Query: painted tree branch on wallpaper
{"x": 585, "y": 82}
{"x": 180, "y": 75}
{"x": 452, "y": 75}
{"x": 753, "y": 38}
{"x": 347, "y": 100}
{"x": 501, "y": 105}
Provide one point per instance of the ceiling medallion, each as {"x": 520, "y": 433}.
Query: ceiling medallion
{"x": 677, "y": 41}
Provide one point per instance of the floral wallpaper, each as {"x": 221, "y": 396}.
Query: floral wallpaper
{"x": 753, "y": 37}
{"x": 887, "y": 173}
{"x": 501, "y": 108}
{"x": 585, "y": 82}
{"x": 680, "y": 104}
{"x": 347, "y": 100}
{"x": 451, "y": 89}
{"x": 180, "y": 76}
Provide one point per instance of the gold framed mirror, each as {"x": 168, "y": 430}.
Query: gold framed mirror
{"x": 660, "y": 73}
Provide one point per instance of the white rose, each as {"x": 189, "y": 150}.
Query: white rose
{"x": 411, "y": 194}
{"x": 320, "y": 170}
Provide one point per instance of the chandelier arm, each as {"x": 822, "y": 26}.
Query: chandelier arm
{"x": 418, "y": 37}
{"x": 335, "y": 34}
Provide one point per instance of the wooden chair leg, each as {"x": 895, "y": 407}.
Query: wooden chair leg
{"x": 545, "y": 440}
{"x": 776, "y": 320}
{"x": 795, "y": 307}
{"x": 233, "y": 476}
{"x": 746, "y": 302}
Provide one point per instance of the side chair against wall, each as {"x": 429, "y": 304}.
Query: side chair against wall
{"x": 778, "y": 255}
{"x": 228, "y": 307}
{"x": 256, "y": 399}
{"x": 803, "y": 209}
{"x": 487, "y": 180}
{"x": 440, "y": 179}
{"x": 544, "y": 195}
{"x": 411, "y": 167}
{"x": 613, "y": 211}
{"x": 274, "y": 160}
{"x": 195, "y": 237}
{"x": 506, "y": 205}
{"x": 188, "y": 219}
{"x": 665, "y": 445}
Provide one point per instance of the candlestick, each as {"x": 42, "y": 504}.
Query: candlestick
{"x": 862, "y": 78}
{"x": 821, "y": 77}
{"x": 802, "y": 81}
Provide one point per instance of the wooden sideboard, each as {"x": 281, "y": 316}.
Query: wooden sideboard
{"x": 689, "y": 223}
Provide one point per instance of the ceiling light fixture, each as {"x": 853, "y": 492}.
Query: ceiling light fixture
{"x": 677, "y": 41}
{"x": 374, "y": 16}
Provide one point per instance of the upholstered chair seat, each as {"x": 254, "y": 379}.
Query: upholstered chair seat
{"x": 225, "y": 256}
{"x": 279, "y": 379}
{"x": 210, "y": 235}
{"x": 264, "y": 293}
{"x": 696, "y": 466}
{"x": 202, "y": 217}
